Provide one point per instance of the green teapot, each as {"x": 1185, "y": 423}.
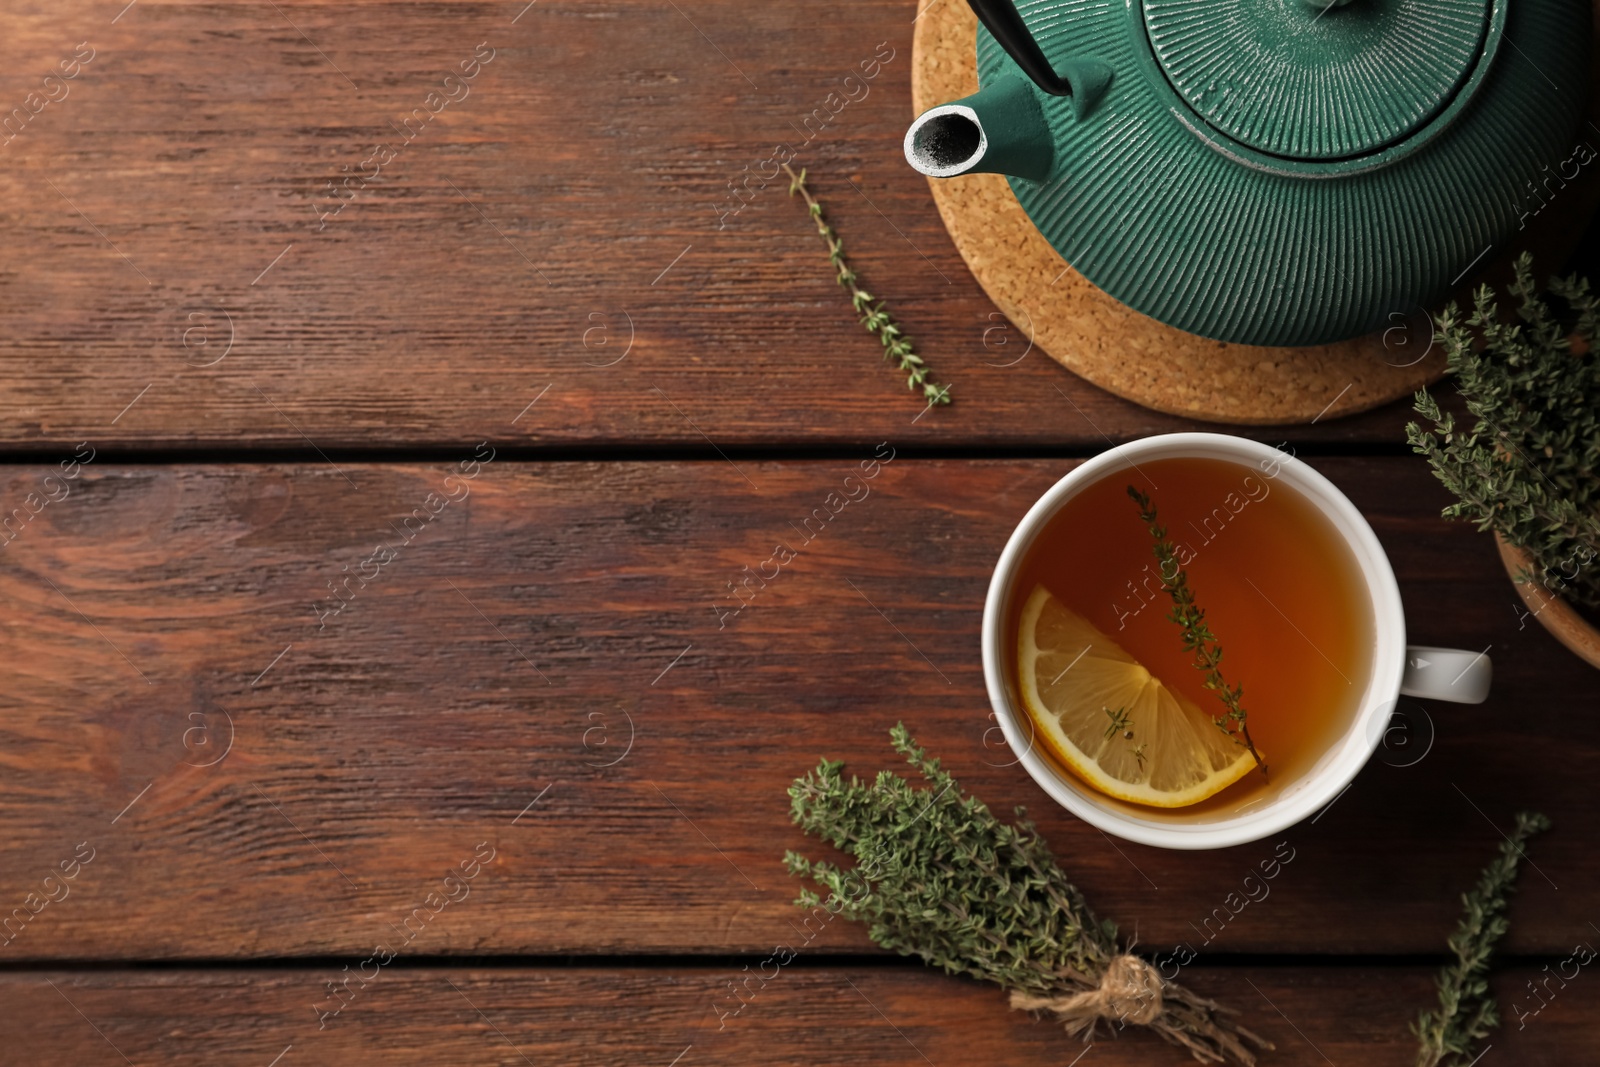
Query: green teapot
{"x": 1273, "y": 172}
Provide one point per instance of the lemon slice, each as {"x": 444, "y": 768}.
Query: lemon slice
{"x": 1085, "y": 695}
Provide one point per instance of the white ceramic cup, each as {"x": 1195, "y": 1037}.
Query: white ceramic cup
{"x": 1396, "y": 669}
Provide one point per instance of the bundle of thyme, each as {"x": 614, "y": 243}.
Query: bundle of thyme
{"x": 1197, "y": 636}
{"x": 874, "y": 316}
{"x": 1467, "y": 1013}
{"x": 1526, "y": 469}
{"x": 938, "y": 877}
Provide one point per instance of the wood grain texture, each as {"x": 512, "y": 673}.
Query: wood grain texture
{"x": 568, "y": 224}
{"x": 803, "y": 1015}
{"x": 542, "y": 667}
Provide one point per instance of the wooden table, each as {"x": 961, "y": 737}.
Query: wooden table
{"x": 545, "y": 393}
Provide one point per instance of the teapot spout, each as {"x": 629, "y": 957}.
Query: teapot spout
{"x": 1000, "y": 129}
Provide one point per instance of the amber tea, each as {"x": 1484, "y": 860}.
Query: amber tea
{"x": 1091, "y": 643}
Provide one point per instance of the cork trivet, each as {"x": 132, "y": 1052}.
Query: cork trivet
{"x": 1158, "y": 366}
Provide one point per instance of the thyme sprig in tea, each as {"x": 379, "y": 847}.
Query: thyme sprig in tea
{"x": 1197, "y": 635}
{"x": 1120, "y": 723}
{"x": 874, "y": 316}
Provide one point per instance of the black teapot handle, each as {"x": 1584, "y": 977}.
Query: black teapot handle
{"x": 1002, "y": 19}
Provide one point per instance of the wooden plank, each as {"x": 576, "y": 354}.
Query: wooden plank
{"x": 671, "y": 1015}
{"x": 171, "y": 280}
{"x": 541, "y": 667}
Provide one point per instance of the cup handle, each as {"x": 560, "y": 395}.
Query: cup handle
{"x": 1446, "y": 674}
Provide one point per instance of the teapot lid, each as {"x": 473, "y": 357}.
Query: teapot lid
{"x": 1317, "y": 79}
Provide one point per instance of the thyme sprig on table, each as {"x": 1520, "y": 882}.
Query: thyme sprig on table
{"x": 874, "y": 316}
{"x": 1197, "y": 635}
{"x": 937, "y": 876}
{"x": 1467, "y": 1013}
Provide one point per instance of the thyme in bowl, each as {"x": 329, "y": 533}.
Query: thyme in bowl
{"x": 1526, "y": 467}
{"x": 874, "y": 316}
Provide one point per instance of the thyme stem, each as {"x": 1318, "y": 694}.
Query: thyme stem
{"x": 1197, "y": 635}
{"x": 939, "y": 877}
{"x": 874, "y": 316}
{"x": 1467, "y": 1013}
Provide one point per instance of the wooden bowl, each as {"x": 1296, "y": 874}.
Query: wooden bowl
{"x": 1553, "y": 613}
